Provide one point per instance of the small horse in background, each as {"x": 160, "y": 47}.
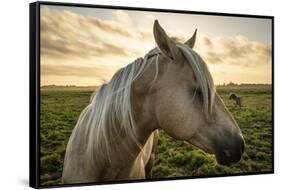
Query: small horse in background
{"x": 236, "y": 99}
{"x": 171, "y": 89}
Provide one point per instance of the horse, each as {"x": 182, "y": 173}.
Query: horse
{"x": 236, "y": 99}
{"x": 171, "y": 89}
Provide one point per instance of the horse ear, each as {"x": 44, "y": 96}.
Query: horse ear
{"x": 164, "y": 42}
{"x": 192, "y": 40}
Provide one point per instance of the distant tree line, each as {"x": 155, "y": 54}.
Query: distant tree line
{"x": 243, "y": 84}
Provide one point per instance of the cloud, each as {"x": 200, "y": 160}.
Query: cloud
{"x": 77, "y": 46}
{"x": 68, "y": 35}
{"x": 106, "y": 26}
{"x": 237, "y": 50}
{"x": 63, "y": 49}
{"x": 213, "y": 58}
{"x": 207, "y": 41}
{"x": 83, "y": 71}
{"x": 145, "y": 36}
{"x": 123, "y": 17}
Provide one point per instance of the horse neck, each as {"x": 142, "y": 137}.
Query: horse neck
{"x": 124, "y": 151}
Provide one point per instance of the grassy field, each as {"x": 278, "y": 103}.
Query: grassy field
{"x": 60, "y": 110}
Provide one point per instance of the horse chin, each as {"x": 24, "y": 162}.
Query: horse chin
{"x": 222, "y": 161}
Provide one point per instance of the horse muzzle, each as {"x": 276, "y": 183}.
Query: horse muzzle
{"x": 230, "y": 150}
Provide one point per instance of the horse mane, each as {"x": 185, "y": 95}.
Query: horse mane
{"x": 110, "y": 112}
{"x": 202, "y": 75}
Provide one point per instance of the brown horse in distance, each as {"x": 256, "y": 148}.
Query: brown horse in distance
{"x": 236, "y": 99}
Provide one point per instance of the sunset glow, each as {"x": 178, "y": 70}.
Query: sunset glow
{"x": 86, "y": 46}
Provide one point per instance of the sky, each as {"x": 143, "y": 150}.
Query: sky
{"x": 86, "y": 46}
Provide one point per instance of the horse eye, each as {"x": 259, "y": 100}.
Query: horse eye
{"x": 199, "y": 93}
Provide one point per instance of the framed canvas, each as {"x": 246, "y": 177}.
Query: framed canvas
{"x": 122, "y": 94}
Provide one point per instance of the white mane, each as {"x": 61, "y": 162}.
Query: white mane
{"x": 110, "y": 112}
{"x": 202, "y": 75}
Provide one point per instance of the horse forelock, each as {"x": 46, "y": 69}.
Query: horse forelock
{"x": 202, "y": 75}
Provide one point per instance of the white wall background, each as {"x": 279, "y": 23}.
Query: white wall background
{"x": 14, "y": 51}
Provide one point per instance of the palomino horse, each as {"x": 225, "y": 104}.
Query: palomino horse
{"x": 170, "y": 88}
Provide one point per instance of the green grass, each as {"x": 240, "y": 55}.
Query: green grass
{"x": 61, "y": 109}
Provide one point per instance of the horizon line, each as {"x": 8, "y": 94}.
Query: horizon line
{"x": 224, "y": 84}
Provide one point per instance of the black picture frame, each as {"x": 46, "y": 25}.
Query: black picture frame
{"x": 34, "y": 89}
